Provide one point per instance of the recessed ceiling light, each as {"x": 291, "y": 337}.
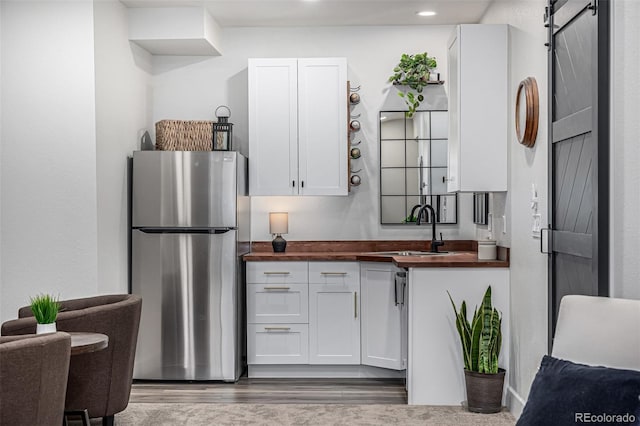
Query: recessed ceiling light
{"x": 426, "y": 13}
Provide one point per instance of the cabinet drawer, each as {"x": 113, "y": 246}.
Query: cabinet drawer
{"x": 277, "y": 272}
{"x": 334, "y": 273}
{"x": 277, "y": 303}
{"x": 277, "y": 344}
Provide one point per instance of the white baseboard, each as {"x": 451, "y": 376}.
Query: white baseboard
{"x": 515, "y": 402}
{"x": 321, "y": 371}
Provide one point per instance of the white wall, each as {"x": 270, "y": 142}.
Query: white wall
{"x": 528, "y": 57}
{"x": 625, "y": 156}
{"x": 122, "y": 110}
{"x": 191, "y": 88}
{"x": 48, "y": 175}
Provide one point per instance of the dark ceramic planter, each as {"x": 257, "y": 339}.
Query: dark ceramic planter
{"x": 484, "y": 391}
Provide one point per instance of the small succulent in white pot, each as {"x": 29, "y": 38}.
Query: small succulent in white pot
{"x": 45, "y": 309}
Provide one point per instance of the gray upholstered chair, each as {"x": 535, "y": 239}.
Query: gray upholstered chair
{"x": 33, "y": 379}
{"x": 99, "y": 382}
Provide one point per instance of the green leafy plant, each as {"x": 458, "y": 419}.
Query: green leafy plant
{"x": 410, "y": 219}
{"x": 482, "y": 338}
{"x": 45, "y": 308}
{"x": 413, "y": 71}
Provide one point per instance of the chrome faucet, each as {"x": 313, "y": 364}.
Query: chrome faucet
{"x": 434, "y": 242}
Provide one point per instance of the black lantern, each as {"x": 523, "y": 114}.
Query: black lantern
{"x": 222, "y": 130}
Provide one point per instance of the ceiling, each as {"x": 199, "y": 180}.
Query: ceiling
{"x": 288, "y": 13}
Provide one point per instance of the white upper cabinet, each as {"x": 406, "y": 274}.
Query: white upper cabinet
{"x": 478, "y": 108}
{"x": 298, "y": 126}
{"x": 322, "y": 126}
{"x": 273, "y": 126}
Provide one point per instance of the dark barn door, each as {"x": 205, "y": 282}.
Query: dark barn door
{"x": 578, "y": 153}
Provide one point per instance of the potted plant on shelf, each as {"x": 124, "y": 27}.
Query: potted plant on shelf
{"x": 45, "y": 310}
{"x": 481, "y": 341}
{"x": 413, "y": 71}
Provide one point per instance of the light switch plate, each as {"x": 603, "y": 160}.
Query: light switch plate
{"x": 535, "y": 229}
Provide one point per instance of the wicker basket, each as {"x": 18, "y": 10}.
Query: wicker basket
{"x": 178, "y": 135}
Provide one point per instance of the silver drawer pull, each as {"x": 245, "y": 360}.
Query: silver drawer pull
{"x": 333, "y": 273}
{"x": 277, "y": 288}
{"x": 277, "y": 328}
{"x": 277, "y": 273}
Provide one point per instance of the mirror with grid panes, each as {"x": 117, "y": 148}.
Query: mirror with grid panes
{"x": 413, "y": 167}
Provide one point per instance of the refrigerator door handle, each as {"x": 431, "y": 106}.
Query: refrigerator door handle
{"x": 154, "y": 230}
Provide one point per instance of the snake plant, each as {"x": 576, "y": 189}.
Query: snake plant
{"x": 482, "y": 338}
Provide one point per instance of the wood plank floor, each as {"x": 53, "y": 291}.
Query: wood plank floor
{"x": 274, "y": 391}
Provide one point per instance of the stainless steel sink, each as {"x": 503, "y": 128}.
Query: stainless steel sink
{"x": 407, "y": 253}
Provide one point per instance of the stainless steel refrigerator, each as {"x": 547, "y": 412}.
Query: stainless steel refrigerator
{"x": 190, "y": 228}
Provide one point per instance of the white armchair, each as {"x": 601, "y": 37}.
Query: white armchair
{"x": 598, "y": 331}
{"x": 593, "y": 372}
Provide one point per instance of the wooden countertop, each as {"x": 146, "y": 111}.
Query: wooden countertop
{"x": 458, "y": 259}
{"x": 462, "y": 254}
{"x": 302, "y": 255}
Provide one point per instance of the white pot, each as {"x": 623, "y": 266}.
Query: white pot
{"x": 46, "y": 328}
{"x": 487, "y": 250}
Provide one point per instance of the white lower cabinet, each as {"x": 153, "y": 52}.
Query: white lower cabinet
{"x": 277, "y": 343}
{"x": 334, "y": 313}
{"x": 435, "y": 355}
{"x": 277, "y": 313}
{"x": 384, "y": 316}
{"x": 303, "y": 313}
{"x": 334, "y": 324}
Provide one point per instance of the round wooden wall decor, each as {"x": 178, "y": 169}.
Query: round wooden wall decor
{"x": 527, "y": 112}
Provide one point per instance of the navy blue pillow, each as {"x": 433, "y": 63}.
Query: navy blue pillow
{"x": 565, "y": 393}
